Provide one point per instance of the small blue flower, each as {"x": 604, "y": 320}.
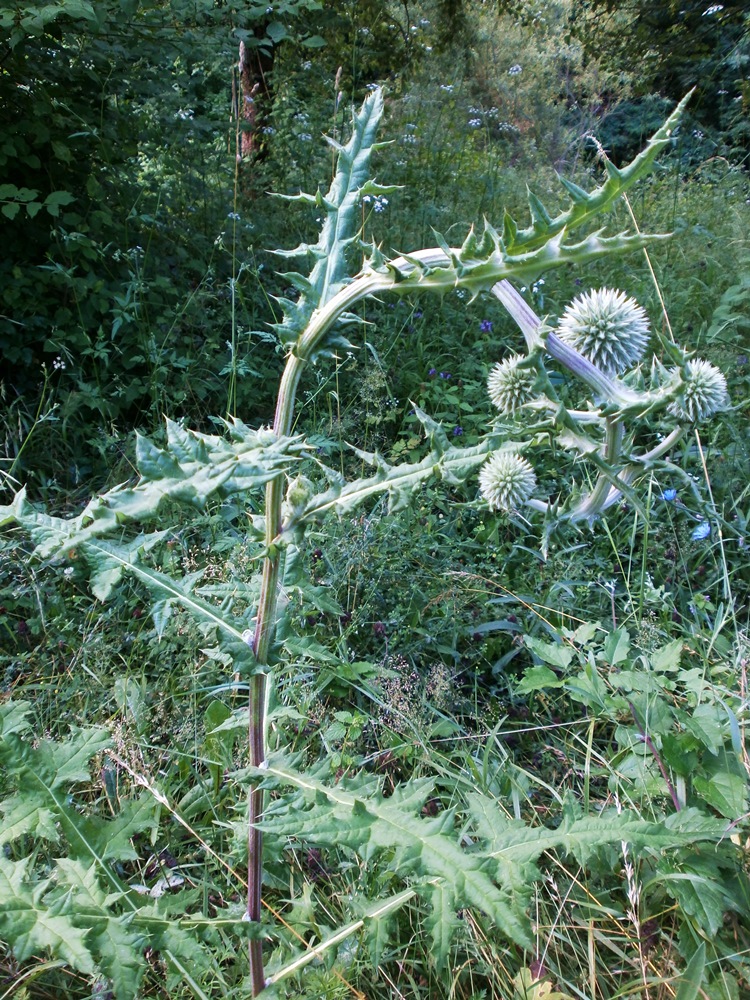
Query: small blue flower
{"x": 485, "y": 326}
{"x": 445, "y": 375}
{"x": 457, "y": 431}
{"x": 433, "y": 372}
{"x": 702, "y": 530}
{"x": 669, "y": 495}
{"x": 418, "y": 314}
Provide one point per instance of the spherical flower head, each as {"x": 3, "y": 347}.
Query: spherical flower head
{"x": 703, "y": 392}
{"x": 606, "y": 327}
{"x": 510, "y": 385}
{"x": 506, "y": 481}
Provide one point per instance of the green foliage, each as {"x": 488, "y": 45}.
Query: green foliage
{"x": 81, "y": 907}
{"x": 494, "y": 873}
{"x": 450, "y": 839}
{"x": 668, "y": 47}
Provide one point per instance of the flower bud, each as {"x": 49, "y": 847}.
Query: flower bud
{"x": 299, "y": 491}
{"x": 703, "y": 392}
{"x": 510, "y": 385}
{"x": 506, "y": 481}
{"x": 607, "y": 328}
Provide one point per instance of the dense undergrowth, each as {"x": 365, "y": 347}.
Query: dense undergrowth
{"x": 442, "y": 661}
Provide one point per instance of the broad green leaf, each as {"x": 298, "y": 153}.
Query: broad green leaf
{"x": 13, "y": 717}
{"x": 616, "y": 646}
{"x": 553, "y": 653}
{"x": 538, "y": 678}
{"x": 667, "y": 658}
{"x": 725, "y": 790}
{"x": 708, "y": 723}
{"x": 527, "y": 987}
{"x": 276, "y": 31}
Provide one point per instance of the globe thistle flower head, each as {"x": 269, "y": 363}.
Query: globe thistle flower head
{"x": 506, "y": 481}
{"x": 510, "y": 385}
{"x": 703, "y": 392}
{"x": 606, "y": 327}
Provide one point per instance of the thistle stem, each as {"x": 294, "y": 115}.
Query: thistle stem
{"x": 264, "y": 634}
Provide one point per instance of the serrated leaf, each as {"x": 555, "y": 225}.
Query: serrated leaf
{"x": 121, "y": 954}
{"x": 441, "y": 922}
{"x": 31, "y": 928}
{"x": 368, "y": 824}
{"x": 23, "y": 814}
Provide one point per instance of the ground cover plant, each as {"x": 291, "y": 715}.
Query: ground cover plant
{"x": 452, "y": 855}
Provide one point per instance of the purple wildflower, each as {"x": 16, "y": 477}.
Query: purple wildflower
{"x": 433, "y": 372}
{"x": 445, "y": 375}
{"x": 485, "y": 326}
{"x": 457, "y": 431}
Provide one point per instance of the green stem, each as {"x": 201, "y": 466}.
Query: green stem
{"x": 262, "y": 641}
{"x": 594, "y": 502}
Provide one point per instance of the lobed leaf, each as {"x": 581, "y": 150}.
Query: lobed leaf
{"x": 341, "y": 223}
{"x": 30, "y": 927}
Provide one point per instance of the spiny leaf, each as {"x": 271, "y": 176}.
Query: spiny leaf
{"x": 359, "y": 818}
{"x": 513, "y": 844}
{"x": 539, "y": 214}
{"x": 168, "y": 589}
{"x": 619, "y": 180}
{"x": 117, "y": 943}
{"x": 442, "y": 921}
{"x": 452, "y": 464}
{"x": 192, "y": 468}
{"x": 30, "y": 927}
{"x": 341, "y": 223}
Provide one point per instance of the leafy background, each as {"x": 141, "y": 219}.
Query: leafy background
{"x": 137, "y": 283}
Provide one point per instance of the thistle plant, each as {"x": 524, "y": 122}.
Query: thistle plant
{"x": 601, "y": 334}
{"x": 597, "y": 339}
{"x": 607, "y": 328}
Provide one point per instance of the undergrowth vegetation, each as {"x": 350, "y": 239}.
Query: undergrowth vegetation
{"x": 431, "y": 682}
